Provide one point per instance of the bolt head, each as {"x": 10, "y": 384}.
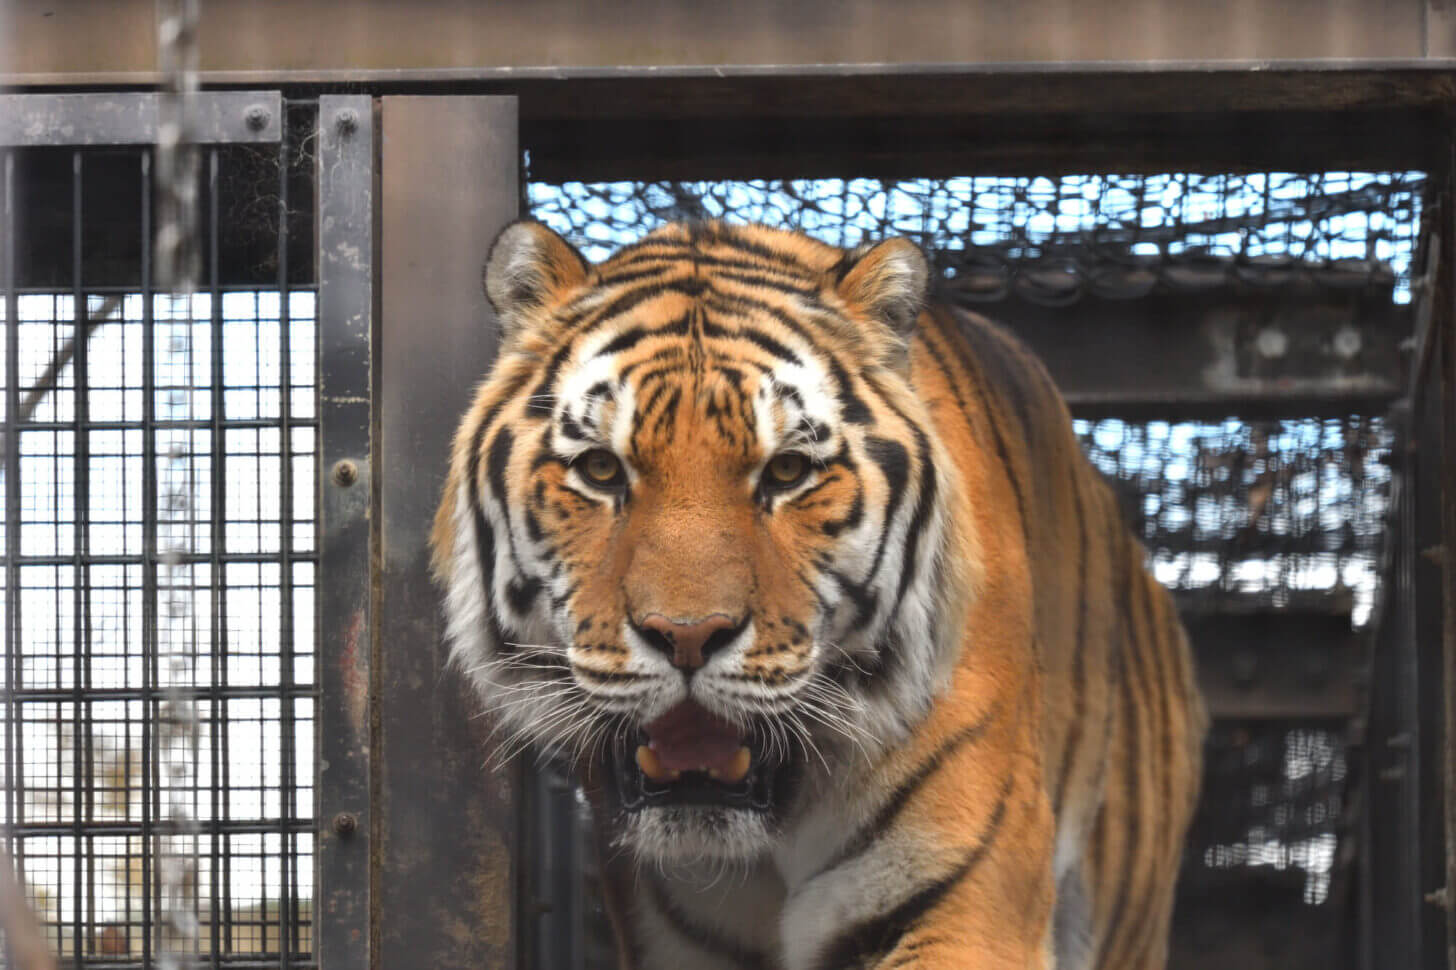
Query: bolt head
{"x": 1271, "y": 343}
{"x": 256, "y": 117}
{"x": 346, "y": 120}
{"x": 345, "y": 823}
{"x": 345, "y": 473}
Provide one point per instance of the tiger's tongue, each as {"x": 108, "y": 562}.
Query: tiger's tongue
{"x": 689, "y": 738}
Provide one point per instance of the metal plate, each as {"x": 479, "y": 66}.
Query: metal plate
{"x": 37, "y": 120}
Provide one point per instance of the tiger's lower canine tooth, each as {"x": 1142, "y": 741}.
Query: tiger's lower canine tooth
{"x": 738, "y": 767}
{"x": 651, "y": 766}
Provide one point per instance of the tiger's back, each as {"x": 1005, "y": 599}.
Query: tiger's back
{"x": 1122, "y": 721}
{"x": 900, "y": 689}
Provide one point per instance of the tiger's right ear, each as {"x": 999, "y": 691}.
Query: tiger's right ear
{"x": 528, "y": 266}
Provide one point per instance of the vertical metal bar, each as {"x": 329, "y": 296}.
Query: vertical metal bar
{"x": 218, "y": 673}
{"x": 450, "y": 181}
{"x": 1445, "y": 320}
{"x": 345, "y": 626}
{"x": 1447, "y": 895}
{"x": 150, "y": 791}
{"x": 287, "y": 801}
{"x": 82, "y": 800}
{"x": 12, "y": 508}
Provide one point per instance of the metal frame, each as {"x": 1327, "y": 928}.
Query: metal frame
{"x": 347, "y": 551}
{"x": 73, "y": 120}
{"x": 78, "y": 121}
{"x": 445, "y": 826}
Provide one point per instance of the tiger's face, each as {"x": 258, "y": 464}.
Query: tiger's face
{"x": 694, "y": 538}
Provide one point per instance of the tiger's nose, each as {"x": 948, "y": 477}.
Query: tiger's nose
{"x": 688, "y": 645}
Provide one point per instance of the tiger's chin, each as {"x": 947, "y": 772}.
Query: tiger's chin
{"x": 716, "y": 814}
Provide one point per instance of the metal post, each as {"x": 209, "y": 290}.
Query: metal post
{"x": 347, "y": 547}
{"x": 445, "y": 826}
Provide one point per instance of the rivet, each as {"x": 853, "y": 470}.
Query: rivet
{"x": 345, "y": 823}
{"x": 1271, "y": 343}
{"x": 256, "y": 116}
{"x": 345, "y": 473}
{"x": 1347, "y": 343}
{"x": 346, "y": 120}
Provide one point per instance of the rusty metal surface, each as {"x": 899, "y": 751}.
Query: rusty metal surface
{"x": 445, "y": 891}
{"x": 1283, "y": 664}
{"x": 345, "y": 615}
{"x": 1221, "y": 350}
{"x": 120, "y": 118}
{"x": 64, "y": 36}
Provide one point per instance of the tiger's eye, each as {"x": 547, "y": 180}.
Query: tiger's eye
{"x": 786, "y": 470}
{"x": 601, "y": 467}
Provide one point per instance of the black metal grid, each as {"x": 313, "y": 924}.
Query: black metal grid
{"x": 1268, "y": 510}
{"x": 92, "y": 407}
{"x": 1053, "y": 240}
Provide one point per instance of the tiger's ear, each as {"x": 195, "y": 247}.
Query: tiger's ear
{"x": 527, "y": 267}
{"x": 889, "y": 280}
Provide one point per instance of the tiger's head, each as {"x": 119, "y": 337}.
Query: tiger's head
{"x": 695, "y": 535}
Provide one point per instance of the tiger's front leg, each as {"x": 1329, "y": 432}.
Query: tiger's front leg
{"x": 952, "y": 870}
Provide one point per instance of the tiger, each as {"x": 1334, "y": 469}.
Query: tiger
{"x": 804, "y": 574}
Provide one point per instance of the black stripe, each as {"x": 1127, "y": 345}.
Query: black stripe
{"x": 705, "y": 937}
{"x": 913, "y": 532}
{"x": 1079, "y": 661}
{"x": 484, "y": 541}
{"x": 893, "y": 461}
{"x": 852, "y": 407}
{"x": 630, "y": 337}
{"x": 724, "y": 235}
{"x": 1132, "y": 766}
{"x": 521, "y": 593}
{"x": 578, "y": 326}
{"x": 912, "y": 783}
{"x": 871, "y": 939}
{"x": 753, "y": 278}
{"x": 496, "y": 461}
{"x": 980, "y": 385}
{"x": 753, "y": 336}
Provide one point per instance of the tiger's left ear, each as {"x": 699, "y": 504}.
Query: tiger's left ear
{"x": 889, "y": 280}
{"x": 528, "y": 267}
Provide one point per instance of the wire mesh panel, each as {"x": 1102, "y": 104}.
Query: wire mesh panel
{"x": 1272, "y": 510}
{"x": 1052, "y": 240}
{"x": 135, "y": 423}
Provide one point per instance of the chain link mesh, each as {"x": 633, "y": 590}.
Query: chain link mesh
{"x": 1053, "y": 241}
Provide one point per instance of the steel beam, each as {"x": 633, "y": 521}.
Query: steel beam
{"x": 347, "y": 514}
{"x": 344, "y": 36}
{"x": 1281, "y": 664}
{"x": 445, "y": 828}
{"x": 128, "y": 118}
{"x": 1294, "y": 350}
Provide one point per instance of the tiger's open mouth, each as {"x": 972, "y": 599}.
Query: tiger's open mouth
{"x": 689, "y": 756}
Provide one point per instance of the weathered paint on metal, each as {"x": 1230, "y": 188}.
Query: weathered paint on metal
{"x": 445, "y": 880}
{"x": 341, "y": 35}
{"x": 346, "y": 560}
{"x": 122, "y": 118}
